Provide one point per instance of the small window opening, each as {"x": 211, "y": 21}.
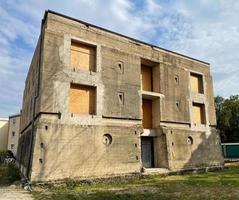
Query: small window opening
{"x": 120, "y": 65}
{"x": 190, "y": 140}
{"x": 107, "y": 139}
{"x": 177, "y": 105}
{"x": 121, "y": 97}
{"x": 46, "y": 127}
{"x": 13, "y": 134}
{"x": 176, "y": 79}
{"x": 12, "y": 146}
{"x": 135, "y": 145}
{"x": 40, "y": 160}
{"x": 42, "y": 145}
{"x": 137, "y": 157}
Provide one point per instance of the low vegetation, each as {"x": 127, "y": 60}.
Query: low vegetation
{"x": 8, "y": 174}
{"x": 218, "y": 185}
{"x": 8, "y": 171}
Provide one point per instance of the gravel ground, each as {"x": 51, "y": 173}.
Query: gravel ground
{"x": 14, "y": 192}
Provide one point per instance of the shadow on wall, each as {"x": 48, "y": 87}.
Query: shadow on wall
{"x": 207, "y": 153}
{"x": 61, "y": 156}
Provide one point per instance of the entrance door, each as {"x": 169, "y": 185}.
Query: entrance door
{"x": 147, "y": 150}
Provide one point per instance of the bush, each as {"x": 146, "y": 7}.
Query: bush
{"x": 8, "y": 174}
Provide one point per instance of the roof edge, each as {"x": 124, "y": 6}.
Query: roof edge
{"x": 3, "y": 119}
{"x": 119, "y": 34}
{"x": 16, "y": 115}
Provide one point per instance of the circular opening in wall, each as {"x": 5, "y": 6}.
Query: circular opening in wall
{"x": 107, "y": 139}
{"x": 190, "y": 140}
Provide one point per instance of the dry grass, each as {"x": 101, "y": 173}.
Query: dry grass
{"x": 212, "y": 185}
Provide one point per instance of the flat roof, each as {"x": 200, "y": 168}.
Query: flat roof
{"x": 130, "y": 38}
{"x": 3, "y": 119}
{"x": 16, "y": 115}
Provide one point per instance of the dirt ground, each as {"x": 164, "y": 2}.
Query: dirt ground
{"x": 14, "y": 192}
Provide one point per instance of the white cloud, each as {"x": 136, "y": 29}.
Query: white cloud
{"x": 204, "y": 29}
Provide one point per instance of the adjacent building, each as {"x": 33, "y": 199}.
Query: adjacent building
{"x": 13, "y": 133}
{"x": 3, "y": 134}
{"x": 98, "y": 103}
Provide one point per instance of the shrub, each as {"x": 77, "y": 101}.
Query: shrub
{"x": 8, "y": 174}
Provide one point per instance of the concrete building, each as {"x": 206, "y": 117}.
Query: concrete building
{"x": 13, "y": 133}
{"x": 3, "y": 133}
{"x": 98, "y": 103}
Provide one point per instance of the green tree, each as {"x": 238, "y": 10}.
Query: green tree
{"x": 227, "y": 112}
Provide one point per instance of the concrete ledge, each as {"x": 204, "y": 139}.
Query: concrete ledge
{"x": 123, "y": 177}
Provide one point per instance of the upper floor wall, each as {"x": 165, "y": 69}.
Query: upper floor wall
{"x": 114, "y": 73}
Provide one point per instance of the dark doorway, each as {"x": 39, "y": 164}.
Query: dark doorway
{"x": 147, "y": 152}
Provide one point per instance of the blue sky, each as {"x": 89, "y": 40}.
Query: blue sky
{"x": 204, "y": 29}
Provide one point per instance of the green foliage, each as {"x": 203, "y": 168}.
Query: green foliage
{"x": 227, "y": 111}
{"x": 8, "y": 174}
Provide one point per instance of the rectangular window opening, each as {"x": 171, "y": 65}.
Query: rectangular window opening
{"x": 147, "y": 113}
{"x": 198, "y": 114}
{"x": 146, "y": 78}
{"x": 82, "y": 99}
{"x": 196, "y": 81}
{"x": 83, "y": 56}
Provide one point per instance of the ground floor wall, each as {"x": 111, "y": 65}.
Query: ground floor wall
{"x": 192, "y": 149}
{"x": 64, "y": 150}
{"x": 74, "y": 151}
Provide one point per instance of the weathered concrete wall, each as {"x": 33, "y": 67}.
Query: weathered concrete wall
{"x": 30, "y": 91}
{"x": 78, "y": 140}
{"x": 204, "y": 149}
{"x": 74, "y": 151}
{"x": 3, "y": 134}
{"x": 14, "y": 126}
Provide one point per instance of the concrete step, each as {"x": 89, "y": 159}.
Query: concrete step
{"x": 148, "y": 171}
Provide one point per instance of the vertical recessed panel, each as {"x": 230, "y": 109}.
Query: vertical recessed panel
{"x": 147, "y": 113}
{"x": 146, "y": 78}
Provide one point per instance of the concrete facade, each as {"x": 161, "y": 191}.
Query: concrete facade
{"x": 56, "y": 143}
{"x": 13, "y": 133}
{"x": 3, "y": 134}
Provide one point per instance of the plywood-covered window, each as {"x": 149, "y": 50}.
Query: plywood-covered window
{"x": 83, "y": 56}
{"x": 146, "y": 78}
{"x": 196, "y": 81}
{"x": 147, "y": 113}
{"x": 82, "y": 99}
{"x": 198, "y": 113}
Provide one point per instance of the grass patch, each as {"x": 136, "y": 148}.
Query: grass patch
{"x": 8, "y": 174}
{"x": 220, "y": 185}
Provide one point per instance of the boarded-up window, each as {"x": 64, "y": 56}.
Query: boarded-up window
{"x": 147, "y": 113}
{"x": 196, "y": 83}
{"x": 82, "y": 99}
{"x": 83, "y": 56}
{"x": 146, "y": 78}
{"x": 198, "y": 113}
